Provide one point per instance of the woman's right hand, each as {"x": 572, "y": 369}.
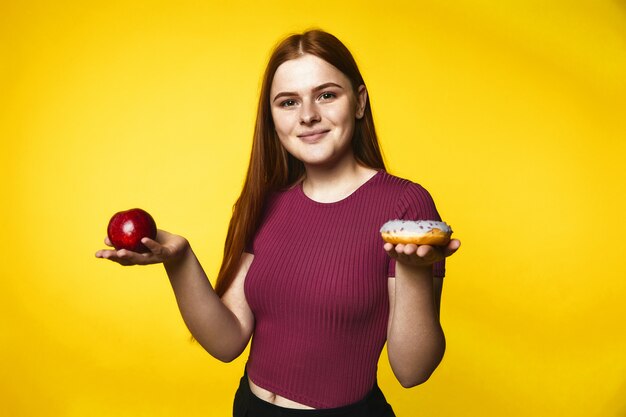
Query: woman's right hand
{"x": 166, "y": 248}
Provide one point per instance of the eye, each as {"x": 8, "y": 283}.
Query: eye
{"x": 288, "y": 103}
{"x": 327, "y": 95}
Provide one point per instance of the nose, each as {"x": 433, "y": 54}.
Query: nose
{"x": 309, "y": 114}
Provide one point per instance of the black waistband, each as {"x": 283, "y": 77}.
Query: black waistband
{"x": 247, "y": 404}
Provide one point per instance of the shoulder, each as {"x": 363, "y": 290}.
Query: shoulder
{"x": 412, "y": 200}
{"x": 402, "y": 187}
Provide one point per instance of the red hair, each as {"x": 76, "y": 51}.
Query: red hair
{"x": 271, "y": 168}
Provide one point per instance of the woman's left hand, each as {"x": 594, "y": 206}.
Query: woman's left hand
{"x": 421, "y": 255}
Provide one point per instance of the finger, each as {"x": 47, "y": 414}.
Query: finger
{"x": 409, "y": 249}
{"x": 111, "y": 255}
{"x": 452, "y": 247}
{"x": 107, "y": 241}
{"x": 106, "y": 253}
{"x": 124, "y": 254}
{"x": 128, "y": 257}
{"x": 424, "y": 251}
{"x": 156, "y": 249}
{"x": 151, "y": 244}
{"x": 146, "y": 258}
{"x": 392, "y": 253}
{"x": 431, "y": 254}
{"x": 132, "y": 258}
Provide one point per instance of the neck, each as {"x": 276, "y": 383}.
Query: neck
{"x": 330, "y": 184}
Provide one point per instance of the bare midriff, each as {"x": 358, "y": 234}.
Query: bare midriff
{"x": 277, "y": 400}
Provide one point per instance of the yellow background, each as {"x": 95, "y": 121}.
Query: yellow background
{"x": 510, "y": 113}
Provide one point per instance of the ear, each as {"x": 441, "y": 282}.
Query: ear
{"x": 361, "y": 101}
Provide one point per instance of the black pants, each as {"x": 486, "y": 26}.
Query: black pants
{"x": 247, "y": 404}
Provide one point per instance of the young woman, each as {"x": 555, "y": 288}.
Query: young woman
{"x": 305, "y": 273}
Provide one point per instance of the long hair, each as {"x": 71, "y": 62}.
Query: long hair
{"x": 271, "y": 168}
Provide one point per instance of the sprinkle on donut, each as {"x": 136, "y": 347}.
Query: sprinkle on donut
{"x": 420, "y": 232}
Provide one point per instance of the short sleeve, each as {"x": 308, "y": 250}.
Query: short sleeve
{"x": 249, "y": 248}
{"x": 416, "y": 203}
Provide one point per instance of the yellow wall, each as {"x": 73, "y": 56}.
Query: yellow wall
{"x": 510, "y": 113}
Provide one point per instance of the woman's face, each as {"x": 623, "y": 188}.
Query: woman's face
{"x": 314, "y": 110}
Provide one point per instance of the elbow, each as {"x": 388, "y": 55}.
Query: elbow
{"x": 410, "y": 381}
{"x": 222, "y": 353}
{"x": 225, "y": 358}
{"x": 421, "y": 372}
{"x": 227, "y": 355}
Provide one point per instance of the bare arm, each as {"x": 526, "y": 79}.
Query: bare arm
{"x": 222, "y": 326}
{"x": 415, "y": 339}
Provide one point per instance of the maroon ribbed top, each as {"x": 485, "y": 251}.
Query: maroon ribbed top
{"x": 318, "y": 289}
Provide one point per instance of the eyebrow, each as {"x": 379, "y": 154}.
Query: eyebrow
{"x": 318, "y": 88}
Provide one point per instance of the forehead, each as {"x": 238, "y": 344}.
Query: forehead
{"x": 305, "y": 73}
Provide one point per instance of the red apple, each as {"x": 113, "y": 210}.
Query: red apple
{"x": 127, "y": 228}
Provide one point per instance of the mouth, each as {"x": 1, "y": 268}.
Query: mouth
{"x": 313, "y": 135}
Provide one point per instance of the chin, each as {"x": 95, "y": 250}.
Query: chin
{"x": 319, "y": 161}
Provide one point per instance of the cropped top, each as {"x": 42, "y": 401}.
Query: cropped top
{"x": 318, "y": 289}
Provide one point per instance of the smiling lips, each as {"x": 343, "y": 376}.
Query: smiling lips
{"x": 313, "y": 135}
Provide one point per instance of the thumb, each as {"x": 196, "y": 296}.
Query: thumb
{"x": 154, "y": 246}
{"x": 452, "y": 247}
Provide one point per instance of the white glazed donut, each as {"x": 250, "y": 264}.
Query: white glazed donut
{"x": 419, "y": 232}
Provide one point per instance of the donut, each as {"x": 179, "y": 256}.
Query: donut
{"x": 418, "y": 232}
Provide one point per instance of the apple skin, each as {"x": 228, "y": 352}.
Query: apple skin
{"x": 127, "y": 228}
